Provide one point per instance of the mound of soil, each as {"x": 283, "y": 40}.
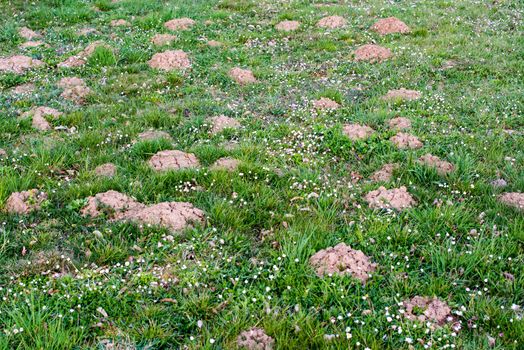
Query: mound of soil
{"x": 513, "y": 199}
{"x": 385, "y": 173}
{"x": 396, "y": 198}
{"x": 325, "y": 103}
{"x": 75, "y": 89}
{"x": 28, "y": 34}
{"x": 179, "y": 24}
{"x": 390, "y": 25}
{"x": 372, "y": 53}
{"x": 255, "y": 339}
{"x": 332, "y": 22}
{"x": 173, "y": 215}
{"x": 357, "y": 131}
{"x": 170, "y": 60}
{"x": 3, "y": 153}
{"x": 151, "y": 135}
{"x": 113, "y": 203}
{"x": 403, "y": 140}
{"x": 443, "y": 167}
{"x": 220, "y": 123}
{"x": 38, "y": 114}
{"x": 399, "y": 123}
{"x": 18, "y": 64}
{"x": 30, "y": 44}
{"x": 342, "y": 260}
{"x": 106, "y": 170}
{"x": 25, "y": 202}
{"x": 71, "y": 62}
{"x": 173, "y": 160}
{"x": 120, "y": 23}
{"x": 226, "y": 163}
{"x": 163, "y": 39}
{"x": 214, "y": 43}
{"x": 426, "y": 309}
{"x": 242, "y": 76}
{"x": 402, "y": 94}
{"x": 24, "y": 89}
{"x": 287, "y": 26}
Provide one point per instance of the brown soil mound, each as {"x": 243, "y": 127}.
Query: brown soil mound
{"x": 173, "y": 159}
{"x": 39, "y": 114}
{"x": 426, "y": 309}
{"x": 170, "y": 60}
{"x": 163, "y": 39}
{"x": 152, "y": 135}
{"x": 30, "y": 44}
{"x": 372, "y": 53}
{"x": 402, "y": 94}
{"x": 396, "y": 198}
{"x": 385, "y": 173}
{"x": 173, "y": 215}
{"x": 3, "y": 153}
{"x": 88, "y": 51}
{"x": 332, "y": 22}
{"x": 18, "y": 64}
{"x": 106, "y": 170}
{"x": 443, "y": 167}
{"x": 242, "y": 76}
{"x": 403, "y": 141}
{"x": 342, "y": 260}
{"x": 357, "y": 131}
{"x": 220, "y": 123}
{"x": 28, "y": 34}
{"x": 325, "y": 103}
{"x": 25, "y": 202}
{"x": 255, "y": 339}
{"x": 71, "y": 62}
{"x": 399, "y": 123}
{"x": 514, "y": 199}
{"x": 24, "y": 89}
{"x": 226, "y": 163}
{"x": 390, "y": 25}
{"x": 179, "y": 24}
{"x": 214, "y": 43}
{"x": 113, "y": 203}
{"x": 287, "y": 26}
{"x": 75, "y": 89}
{"x": 119, "y": 23}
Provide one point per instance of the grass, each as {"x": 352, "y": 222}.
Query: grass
{"x": 70, "y": 282}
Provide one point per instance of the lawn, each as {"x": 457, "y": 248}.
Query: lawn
{"x": 240, "y": 174}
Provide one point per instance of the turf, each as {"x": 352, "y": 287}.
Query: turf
{"x": 71, "y": 282}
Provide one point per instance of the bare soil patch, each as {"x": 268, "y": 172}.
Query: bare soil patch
{"x": 396, "y": 198}
{"x": 372, "y": 53}
{"x": 28, "y": 34}
{"x": 170, "y": 60}
{"x": 25, "y": 202}
{"x": 255, "y": 339}
{"x": 443, "y": 167}
{"x": 151, "y": 135}
{"x": 385, "y": 173}
{"x": 242, "y": 76}
{"x": 222, "y": 122}
{"x": 424, "y": 309}
{"x": 404, "y": 141}
{"x": 287, "y": 26}
{"x": 38, "y": 115}
{"x": 75, "y": 89}
{"x": 357, "y": 131}
{"x": 399, "y": 123}
{"x": 226, "y": 163}
{"x": 179, "y": 24}
{"x": 342, "y": 260}
{"x": 513, "y": 199}
{"x": 325, "y": 103}
{"x": 332, "y": 22}
{"x": 112, "y": 203}
{"x": 106, "y": 170}
{"x": 402, "y": 94}
{"x": 24, "y": 89}
{"x": 18, "y": 64}
{"x": 173, "y": 160}
{"x": 390, "y": 25}
{"x": 163, "y": 39}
